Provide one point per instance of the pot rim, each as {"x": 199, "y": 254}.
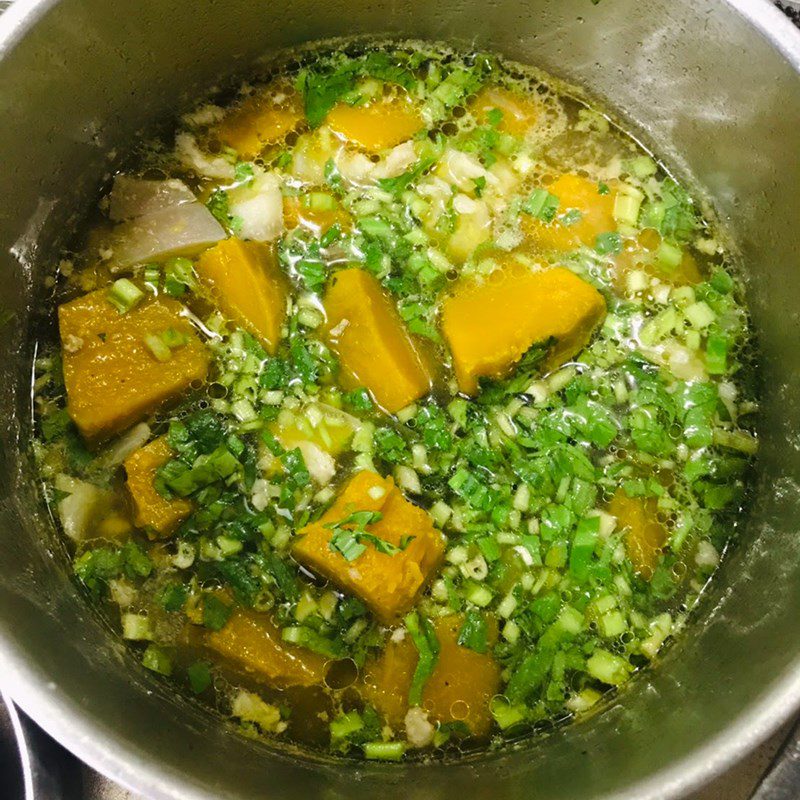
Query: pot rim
{"x": 66, "y": 721}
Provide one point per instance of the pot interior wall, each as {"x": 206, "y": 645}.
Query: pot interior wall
{"x": 703, "y": 87}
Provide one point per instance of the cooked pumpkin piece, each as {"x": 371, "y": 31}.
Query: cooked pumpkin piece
{"x": 594, "y": 215}
{"x": 387, "y": 582}
{"x": 645, "y": 535}
{"x": 373, "y": 346}
{"x": 490, "y": 323}
{"x": 252, "y": 642}
{"x": 460, "y": 688}
{"x": 262, "y": 119}
{"x": 377, "y": 125}
{"x": 158, "y": 516}
{"x": 518, "y": 112}
{"x": 248, "y": 286}
{"x": 113, "y": 378}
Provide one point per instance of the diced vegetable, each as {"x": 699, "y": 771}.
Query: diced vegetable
{"x": 263, "y": 118}
{"x": 248, "y": 286}
{"x": 375, "y": 350}
{"x": 257, "y": 208}
{"x": 152, "y": 512}
{"x": 112, "y": 378}
{"x": 377, "y": 125}
{"x": 388, "y": 582}
{"x": 82, "y": 506}
{"x": 595, "y": 215}
{"x": 490, "y": 324}
{"x": 157, "y": 220}
{"x": 253, "y": 643}
{"x": 459, "y": 689}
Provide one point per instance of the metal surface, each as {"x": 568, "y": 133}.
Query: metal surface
{"x": 711, "y": 84}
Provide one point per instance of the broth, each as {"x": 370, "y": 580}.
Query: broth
{"x": 400, "y": 405}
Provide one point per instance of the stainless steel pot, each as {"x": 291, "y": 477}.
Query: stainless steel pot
{"x": 713, "y": 84}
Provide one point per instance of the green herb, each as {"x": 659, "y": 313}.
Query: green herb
{"x": 350, "y": 537}
{"x": 199, "y": 675}
{"x": 608, "y": 243}
{"x": 215, "y": 612}
{"x": 541, "y": 204}
{"x": 172, "y": 596}
{"x": 358, "y": 400}
{"x": 494, "y": 116}
{"x": 243, "y": 172}
{"x": 304, "y": 636}
{"x": 157, "y": 660}
{"x": 179, "y": 277}
{"x": 529, "y": 675}
{"x": 424, "y": 638}
{"x": 474, "y": 633}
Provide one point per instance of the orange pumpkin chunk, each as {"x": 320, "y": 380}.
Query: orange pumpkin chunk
{"x": 373, "y": 346}
{"x": 489, "y": 324}
{"x": 583, "y": 195}
{"x": 112, "y": 377}
{"x": 262, "y": 119}
{"x": 388, "y": 584}
{"x": 252, "y": 642}
{"x": 248, "y": 286}
{"x": 519, "y": 111}
{"x": 377, "y": 125}
{"x": 459, "y": 690}
{"x": 645, "y": 534}
{"x": 157, "y": 515}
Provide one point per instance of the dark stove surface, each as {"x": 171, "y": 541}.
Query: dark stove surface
{"x": 33, "y": 766}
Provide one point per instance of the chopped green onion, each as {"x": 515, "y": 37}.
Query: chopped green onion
{"x": 583, "y": 547}
{"x": 608, "y": 243}
{"x": 136, "y": 627}
{"x": 319, "y": 201}
{"x": 669, "y": 256}
{"x": 424, "y": 638}
{"x": 384, "y": 751}
{"x": 155, "y": 344}
{"x": 311, "y": 640}
{"x": 151, "y": 277}
{"x": 199, "y": 675}
{"x": 173, "y": 338}
{"x": 699, "y": 315}
{"x": 608, "y": 667}
{"x": 345, "y": 725}
{"x": 627, "y": 204}
{"x": 155, "y": 659}
{"x": 479, "y": 595}
{"x": 178, "y": 277}
{"x": 642, "y": 167}
{"x": 717, "y": 354}
{"x": 507, "y": 715}
{"x": 124, "y": 295}
{"x": 541, "y": 204}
